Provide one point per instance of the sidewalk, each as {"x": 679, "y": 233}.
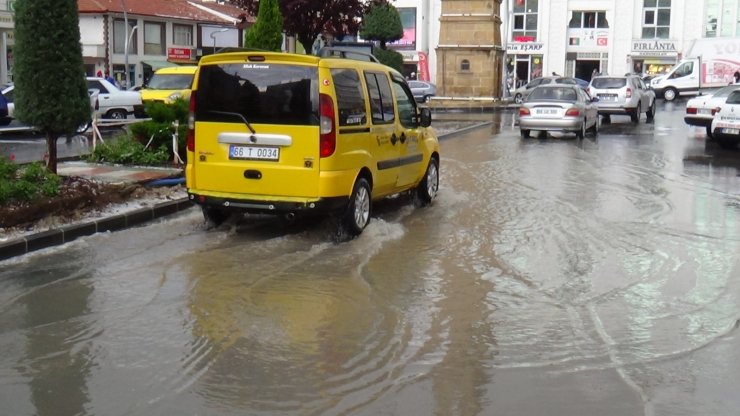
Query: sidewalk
{"x": 123, "y": 218}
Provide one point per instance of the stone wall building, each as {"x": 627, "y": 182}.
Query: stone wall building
{"x": 469, "y": 53}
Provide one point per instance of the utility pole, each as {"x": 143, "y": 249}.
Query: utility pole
{"x": 125, "y": 53}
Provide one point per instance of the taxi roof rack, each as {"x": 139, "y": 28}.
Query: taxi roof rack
{"x": 347, "y": 53}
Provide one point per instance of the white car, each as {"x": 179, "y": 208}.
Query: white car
{"x": 700, "y": 110}
{"x": 9, "y": 93}
{"x": 114, "y": 102}
{"x": 726, "y": 123}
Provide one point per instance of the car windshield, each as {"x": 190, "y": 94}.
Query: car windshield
{"x": 734, "y": 97}
{"x": 170, "y": 81}
{"x": 260, "y": 93}
{"x": 724, "y": 92}
{"x": 604, "y": 83}
{"x": 569, "y": 81}
{"x": 552, "y": 94}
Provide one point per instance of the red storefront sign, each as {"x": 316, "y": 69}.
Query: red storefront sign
{"x": 180, "y": 54}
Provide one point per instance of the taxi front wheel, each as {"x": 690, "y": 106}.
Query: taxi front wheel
{"x": 427, "y": 189}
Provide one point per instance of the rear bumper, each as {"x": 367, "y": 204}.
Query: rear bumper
{"x": 274, "y": 206}
{"x": 564, "y": 124}
{"x": 698, "y": 121}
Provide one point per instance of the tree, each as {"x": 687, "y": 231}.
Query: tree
{"x": 307, "y": 19}
{"x": 267, "y": 32}
{"x": 382, "y": 23}
{"x": 49, "y": 74}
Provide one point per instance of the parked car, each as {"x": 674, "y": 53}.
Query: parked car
{"x": 726, "y": 122}
{"x": 521, "y": 93}
{"x": 559, "y": 108}
{"x": 623, "y": 95}
{"x": 114, "y": 102}
{"x": 423, "y": 91}
{"x": 700, "y": 110}
{"x": 168, "y": 84}
{"x": 8, "y": 95}
{"x": 286, "y": 134}
{"x": 5, "y": 118}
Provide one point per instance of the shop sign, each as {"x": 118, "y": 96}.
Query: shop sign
{"x": 524, "y": 47}
{"x": 179, "y": 53}
{"x": 656, "y": 47}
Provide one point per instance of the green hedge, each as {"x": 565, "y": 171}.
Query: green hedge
{"x": 26, "y": 183}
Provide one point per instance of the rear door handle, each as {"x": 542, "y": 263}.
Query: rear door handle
{"x": 403, "y": 138}
{"x": 394, "y": 139}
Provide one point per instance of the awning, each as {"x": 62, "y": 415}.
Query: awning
{"x": 176, "y": 62}
{"x": 158, "y": 64}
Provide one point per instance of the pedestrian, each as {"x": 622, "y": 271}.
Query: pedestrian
{"x": 110, "y": 79}
{"x": 737, "y": 77}
{"x": 594, "y": 73}
{"x": 100, "y": 74}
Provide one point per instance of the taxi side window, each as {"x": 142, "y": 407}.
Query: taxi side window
{"x": 350, "y": 97}
{"x": 406, "y": 105}
{"x": 381, "y": 99}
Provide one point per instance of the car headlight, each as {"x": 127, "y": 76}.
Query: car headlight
{"x": 174, "y": 96}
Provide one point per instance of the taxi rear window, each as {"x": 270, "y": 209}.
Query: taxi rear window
{"x": 262, "y": 93}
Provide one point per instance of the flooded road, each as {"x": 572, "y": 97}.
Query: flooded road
{"x": 551, "y": 276}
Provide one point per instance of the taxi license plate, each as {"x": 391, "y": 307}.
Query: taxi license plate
{"x": 730, "y": 131}
{"x": 254, "y": 153}
{"x": 705, "y": 111}
{"x": 547, "y": 111}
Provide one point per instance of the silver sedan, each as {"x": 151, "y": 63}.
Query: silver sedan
{"x": 559, "y": 108}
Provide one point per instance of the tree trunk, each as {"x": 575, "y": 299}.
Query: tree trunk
{"x": 51, "y": 150}
{"x": 307, "y": 44}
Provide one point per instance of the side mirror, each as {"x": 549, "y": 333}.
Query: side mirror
{"x": 425, "y": 117}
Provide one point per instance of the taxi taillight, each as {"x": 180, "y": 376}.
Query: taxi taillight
{"x": 524, "y": 111}
{"x": 191, "y": 124}
{"x": 328, "y": 138}
{"x": 573, "y": 111}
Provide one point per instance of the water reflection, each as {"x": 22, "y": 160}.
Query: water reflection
{"x": 46, "y": 327}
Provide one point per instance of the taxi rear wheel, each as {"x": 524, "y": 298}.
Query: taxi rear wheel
{"x": 427, "y": 189}
{"x": 214, "y": 216}
{"x": 357, "y": 215}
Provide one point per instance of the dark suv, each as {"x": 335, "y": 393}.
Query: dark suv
{"x": 623, "y": 95}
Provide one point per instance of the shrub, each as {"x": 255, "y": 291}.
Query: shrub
{"x": 157, "y": 132}
{"x": 26, "y": 183}
{"x": 389, "y": 57}
{"x": 126, "y": 150}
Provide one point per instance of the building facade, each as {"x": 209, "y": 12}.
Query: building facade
{"x": 160, "y": 33}
{"x": 582, "y": 37}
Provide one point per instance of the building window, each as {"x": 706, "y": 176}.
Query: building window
{"x": 712, "y": 19}
{"x": 119, "y": 36}
{"x": 182, "y": 35}
{"x": 722, "y": 18}
{"x": 588, "y": 20}
{"x": 153, "y": 38}
{"x": 464, "y": 65}
{"x": 656, "y": 19}
{"x": 525, "y": 20}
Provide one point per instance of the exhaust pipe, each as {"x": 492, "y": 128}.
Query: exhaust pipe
{"x": 290, "y": 216}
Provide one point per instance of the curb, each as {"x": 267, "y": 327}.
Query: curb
{"x": 67, "y": 233}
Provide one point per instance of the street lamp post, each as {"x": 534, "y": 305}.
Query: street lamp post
{"x": 125, "y": 52}
{"x": 213, "y": 36}
{"x": 126, "y": 46}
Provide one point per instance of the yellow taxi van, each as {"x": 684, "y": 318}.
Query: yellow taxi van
{"x": 168, "y": 84}
{"x": 290, "y": 134}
